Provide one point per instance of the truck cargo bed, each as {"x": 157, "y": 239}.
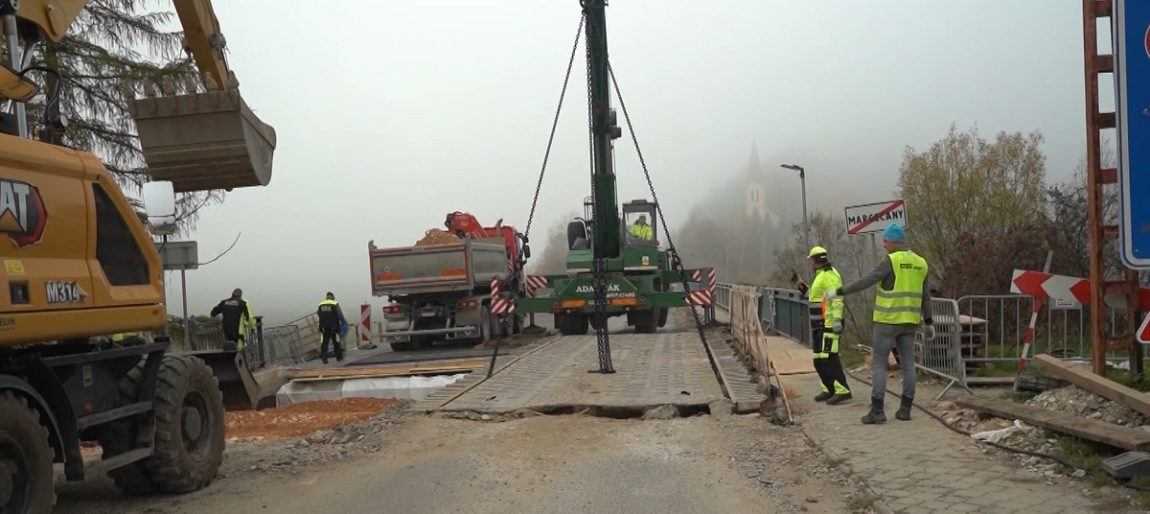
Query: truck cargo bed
{"x": 437, "y": 268}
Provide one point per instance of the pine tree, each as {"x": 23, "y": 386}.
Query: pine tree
{"x": 115, "y": 51}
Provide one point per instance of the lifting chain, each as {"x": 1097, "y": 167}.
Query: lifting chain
{"x": 673, "y": 254}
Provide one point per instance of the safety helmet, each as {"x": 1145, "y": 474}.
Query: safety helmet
{"x": 816, "y": 251}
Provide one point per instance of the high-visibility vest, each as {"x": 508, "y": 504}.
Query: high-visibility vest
{"x": 824, "y": 313}
{"x": 902, "y": 304}
{"x": 642, "y": 232}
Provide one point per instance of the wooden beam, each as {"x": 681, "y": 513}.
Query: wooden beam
{"x": 1085, "y": 428}
{"x": 1097, "y": 384}
{"x": 400, "y": 369}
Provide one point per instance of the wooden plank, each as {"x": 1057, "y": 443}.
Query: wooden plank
{"x": 389, "y": 370}
{"x": 1085, "y": 428}
{"x": 1099, "y": 385}
{"x": 789, "y": 357}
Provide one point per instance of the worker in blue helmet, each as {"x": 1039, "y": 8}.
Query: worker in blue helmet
{"x": 901, "y": 308}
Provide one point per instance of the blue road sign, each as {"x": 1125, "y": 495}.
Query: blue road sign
{"x": 1132, "y": 79}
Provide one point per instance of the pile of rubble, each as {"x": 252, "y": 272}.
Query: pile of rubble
{"x": 334, "y": 443}
{"x": 301, "y": 419}
{"x": 437, "y": 237}
{"x": 1072, "y": 400}
{"x": 1067, "y": 400}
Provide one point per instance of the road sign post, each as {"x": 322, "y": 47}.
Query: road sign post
{"x": 1144, "y": 330}
{"x": 874, "y": 217}
{"x": 1132, "y": 80}
{"x": 182, "y": 256}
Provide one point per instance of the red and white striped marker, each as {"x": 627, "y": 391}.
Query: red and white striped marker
{"x": 535, "y": 283}
{"x": 1062, "y": 291}
{"x": 704, "y": 296}
{"x": 500, "y": 305}
{"x": 365, "y": 324}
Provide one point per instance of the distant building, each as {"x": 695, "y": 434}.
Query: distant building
{"x": 755, "y": 181}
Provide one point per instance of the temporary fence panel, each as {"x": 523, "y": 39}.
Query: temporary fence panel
{"x": 747, "y": 329}
{"x": 283, "y": 345}
{"x": 997, "y": 326}
{"x": 942, "y": 355}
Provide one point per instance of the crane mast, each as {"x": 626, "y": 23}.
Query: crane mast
{"x": 606, "y": 236}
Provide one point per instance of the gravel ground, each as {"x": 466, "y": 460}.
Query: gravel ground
{"x": 547, "y": 464}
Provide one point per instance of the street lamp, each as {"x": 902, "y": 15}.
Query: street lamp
{"x": 803, "y": 180}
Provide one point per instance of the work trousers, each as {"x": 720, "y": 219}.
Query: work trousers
{"x": 825, "y": 345}
{"x": 331, "y": 337}
{"x": 886, "y": 338}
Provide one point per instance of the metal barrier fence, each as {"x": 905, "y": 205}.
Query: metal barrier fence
{"x": 723, "y": 296}
{"x": 996, "y": 327}
{"x": 942, "y": 355}
{"x": 786, "y": 311}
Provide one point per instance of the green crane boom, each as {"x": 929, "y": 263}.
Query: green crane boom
{"x": 606, "y": 229}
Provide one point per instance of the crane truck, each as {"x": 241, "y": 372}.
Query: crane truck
{"x": 639, "y": 279}
{"x": 441, "y": 288}
{"x": 80, "y": 267}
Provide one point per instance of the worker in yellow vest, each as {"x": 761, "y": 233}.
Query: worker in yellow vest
{"x": 901, "y": 308}
{"x": 826, "y": 318}
{"x": 641, "y": 230}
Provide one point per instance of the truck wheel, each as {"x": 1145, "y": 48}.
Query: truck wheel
{"x": 646, "y": 322}
{"x": 487, "y": 325}
{"x": 574, "y": 325}
{"x": 663, "y": 314}
{"x": 189, "y": 412}
{"x": 26, "y": 476}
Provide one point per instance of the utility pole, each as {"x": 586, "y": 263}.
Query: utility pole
{"x": 803, "y": 181}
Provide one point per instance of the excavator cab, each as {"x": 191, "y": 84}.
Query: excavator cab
{"x": 640, "y": 223}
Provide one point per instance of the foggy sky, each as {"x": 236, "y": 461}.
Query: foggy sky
{"x": 391, "y": 114}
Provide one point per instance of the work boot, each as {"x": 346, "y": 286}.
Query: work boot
{"x": 839, "y": 398}
{"x": 904, "y": 408}
{"x": 823, "y": 396}
{"x": 876, "y": 415}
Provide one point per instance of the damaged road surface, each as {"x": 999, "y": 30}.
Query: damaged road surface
{"x": 541, "y": 464}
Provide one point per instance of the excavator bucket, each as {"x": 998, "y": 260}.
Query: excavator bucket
{"x": 204, "y": 141}
{"x": 238, "y": 385}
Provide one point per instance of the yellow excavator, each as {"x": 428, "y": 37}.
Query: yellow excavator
{"x": 79, "y": 266}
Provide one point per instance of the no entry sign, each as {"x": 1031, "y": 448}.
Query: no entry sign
{"x": 1132, "y": 80}
{"x": 874, "y": 217}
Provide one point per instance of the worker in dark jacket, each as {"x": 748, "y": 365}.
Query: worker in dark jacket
{"x": 331, "y": 323}
{"x": 236, "y": 317}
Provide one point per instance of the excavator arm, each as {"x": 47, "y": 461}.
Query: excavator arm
{"x": 202, "y": 36}
{"x": 200, "y": 141}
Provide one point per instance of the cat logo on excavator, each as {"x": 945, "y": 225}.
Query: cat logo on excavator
{"x": 22, "y": 213}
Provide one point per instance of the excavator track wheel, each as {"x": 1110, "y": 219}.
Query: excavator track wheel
{"x": 26, "y": 476}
